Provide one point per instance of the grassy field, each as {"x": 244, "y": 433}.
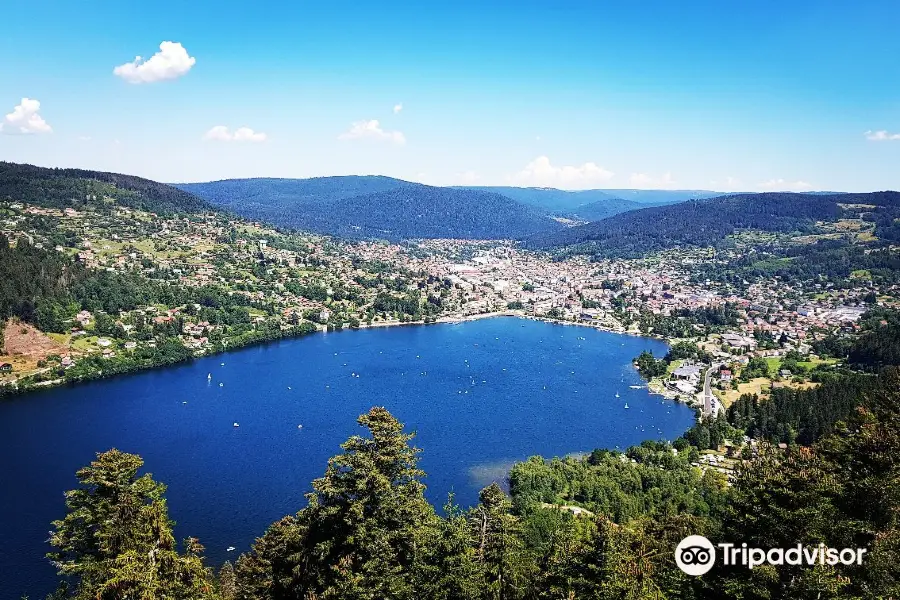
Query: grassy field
{"x": 774, "y": 363}
{"x": 86, "y": 343}
{"x": 866, "y": 236}
{"x": 61, "y": 338}
{"x": 759, "y": 386}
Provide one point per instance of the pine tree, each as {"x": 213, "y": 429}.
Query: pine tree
{"x": 227, "y": 584}
{"x": 275, "y": 568}
{"x": 116, "y": 539}
{"x": 499, "y": 548}
{"x": 360, "y": 537}
{"x": 448, "y": 569}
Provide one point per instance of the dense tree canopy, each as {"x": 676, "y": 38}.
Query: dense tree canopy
{"x": 116, "y": 539}
{"x": 377, "y": 207}
{"x": 707, "y": 222}
{"x": 74, "y": 188}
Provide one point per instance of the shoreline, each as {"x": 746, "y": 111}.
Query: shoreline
{"x": 8, "y": 392}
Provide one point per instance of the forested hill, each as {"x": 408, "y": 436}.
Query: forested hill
{"x": 76, "y": 187}
{"x": 602, "y": 209}
{"x": 660, "y": 197}
{"x": 376, "y": 207}
{"x": 561, "y": 202}
{"x": 593, "y": 205}
{"x": 421, "y": 211}
{"x": 264, "y": 194}
{"x": 705, "y": 222}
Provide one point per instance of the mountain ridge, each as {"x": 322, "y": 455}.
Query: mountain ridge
{"x": 67, "y": 187}
{"x": 707, "y": 221}
{"x": 374, "y": 206}
{"x": 282, "y": 200}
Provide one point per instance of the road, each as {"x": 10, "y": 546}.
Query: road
{"x": 710, "y": 401}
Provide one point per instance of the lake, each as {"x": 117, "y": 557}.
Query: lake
{"x": 479, "y": 394}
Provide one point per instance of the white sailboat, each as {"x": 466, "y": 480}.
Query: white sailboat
{"x": 626, "y": 405}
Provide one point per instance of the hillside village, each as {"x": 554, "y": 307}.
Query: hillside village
{"x": 279, "y": 284}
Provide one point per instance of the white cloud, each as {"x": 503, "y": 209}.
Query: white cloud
{"x": 542, "y": 173}
{"x": 780, "y": 185}
{"x": 882, "y": 135}
{"x": 398, "y": 107}
{"x": 220, "y": 133}
{"x": 372, "y": 130}
{"x": 648, "y": 182}
{"x": 171, "y": 62}
{"x": 729, "y": 183}
{"x": 639, "y": 179}
{"x": 25, "y": 119}
{"x": 468, "y": 178}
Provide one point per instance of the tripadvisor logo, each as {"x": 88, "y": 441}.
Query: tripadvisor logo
{"x": 696, "y": 555}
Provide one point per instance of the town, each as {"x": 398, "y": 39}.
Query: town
{"x": 747, "y": 339}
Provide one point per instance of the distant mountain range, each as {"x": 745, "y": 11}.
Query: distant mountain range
{"x": 705, "y": 222}
{"x": 620, "y": 222}
{"x": 263, "y": 193}
{"x": 560, "y": 202}
{"x": 376, "y": 206}
{"x": 593, "y": 205}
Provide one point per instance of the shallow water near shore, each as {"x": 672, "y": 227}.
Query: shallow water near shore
{"x": 480, "y": 395}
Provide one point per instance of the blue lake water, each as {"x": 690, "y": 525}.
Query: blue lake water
{"x": 480, "y": 395}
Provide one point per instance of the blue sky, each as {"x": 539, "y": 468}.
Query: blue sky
{"x": 701, "y": 95}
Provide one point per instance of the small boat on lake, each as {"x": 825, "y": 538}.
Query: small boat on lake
{"x": 236, "y": 424}
{"x": 230, "y": 549}
{"x": 626, "y": 405}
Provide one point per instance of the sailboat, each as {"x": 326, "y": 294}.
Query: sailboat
{"x": 617, "y": 394}
{"x": 209, "y": 376}
{"x": 626, "y": 405}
